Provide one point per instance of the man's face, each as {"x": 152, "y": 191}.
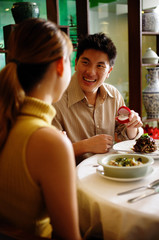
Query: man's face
{"x": 92, "y": 69}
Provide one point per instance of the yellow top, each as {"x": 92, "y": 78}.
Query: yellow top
{"x": 21, "y": 200}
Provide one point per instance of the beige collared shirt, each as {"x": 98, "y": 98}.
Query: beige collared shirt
{"x": 81, "y": 120}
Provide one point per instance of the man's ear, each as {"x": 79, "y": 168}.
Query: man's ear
{"x": 110, "y": 70}
{"x": 60, "y": 66}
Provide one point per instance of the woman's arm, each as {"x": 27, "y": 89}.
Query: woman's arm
{"x": 51, "y": 163}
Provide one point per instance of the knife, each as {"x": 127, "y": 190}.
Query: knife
{"x": 135, "y": 199}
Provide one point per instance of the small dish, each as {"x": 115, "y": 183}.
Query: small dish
{"x": 126, "y": 171}
{"x": 100, "y": 172}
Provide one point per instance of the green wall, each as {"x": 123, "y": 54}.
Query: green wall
{"x": 6, "y": 18}
{"x": 67, "y": 16}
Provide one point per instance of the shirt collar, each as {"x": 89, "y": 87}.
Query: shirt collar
{"x": 75, "y": 93}
{"x": 79, "y": 95}
{"x": 104, "y": 91}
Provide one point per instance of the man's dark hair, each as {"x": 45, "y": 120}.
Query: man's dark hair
{"x": 100, "y": 42}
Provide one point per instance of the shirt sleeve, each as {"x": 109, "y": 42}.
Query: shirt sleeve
{"x": 121, "y": 133}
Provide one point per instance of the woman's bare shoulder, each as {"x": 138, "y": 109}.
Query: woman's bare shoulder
{"x": 47, "y": 150}
{"x": 48, "y": 137}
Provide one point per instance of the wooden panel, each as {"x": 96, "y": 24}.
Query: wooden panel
{"x": 135, "y": 55}
{"x": 82, "y": 11}
{"x": 6, "y": 32}
{"x": 53, "y": 10}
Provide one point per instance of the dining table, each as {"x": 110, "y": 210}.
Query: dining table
{"x": 103, "y": 214}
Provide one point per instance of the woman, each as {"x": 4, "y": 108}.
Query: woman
{"x": 37, "y": 165}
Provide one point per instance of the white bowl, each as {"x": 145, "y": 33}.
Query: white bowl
{"x": 150, "y": 60}
{"x": 126, "y": 172}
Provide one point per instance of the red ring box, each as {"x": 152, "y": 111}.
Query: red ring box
{"x": 123, "y": 114}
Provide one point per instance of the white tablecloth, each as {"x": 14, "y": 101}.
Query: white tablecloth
{"x": 102, "y": 210}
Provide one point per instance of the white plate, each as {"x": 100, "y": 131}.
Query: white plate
{"x": 126, "y": 146}
{"x": 100, "y": 172}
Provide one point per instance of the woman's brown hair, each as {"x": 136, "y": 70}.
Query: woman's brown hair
{"x": 33, "y": 45}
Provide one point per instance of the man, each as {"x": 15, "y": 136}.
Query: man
{"x": 87, "y": 111}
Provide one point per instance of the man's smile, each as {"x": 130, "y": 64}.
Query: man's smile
{"x": 89, "y": 80}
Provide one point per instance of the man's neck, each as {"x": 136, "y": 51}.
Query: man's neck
{"x": 91, "y": 98}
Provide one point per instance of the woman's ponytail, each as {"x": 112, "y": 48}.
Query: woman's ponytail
{"x": 11, "y": 98}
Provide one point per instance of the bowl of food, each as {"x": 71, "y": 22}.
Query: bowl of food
{"x": 126, "y": 165}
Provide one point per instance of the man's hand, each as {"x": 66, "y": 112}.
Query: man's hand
{"x": 133, "y": 124}
{"x": 100, "y": 143}
{"x": 134, "y": 120}
{"x": 96, "y": 144}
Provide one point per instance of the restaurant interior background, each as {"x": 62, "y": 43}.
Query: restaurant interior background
{"x": 108, "y": 16}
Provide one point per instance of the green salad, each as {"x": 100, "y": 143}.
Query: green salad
{"x": 125, "y": 162}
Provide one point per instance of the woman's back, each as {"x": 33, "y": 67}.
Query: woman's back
{"x": 20, "y": 195}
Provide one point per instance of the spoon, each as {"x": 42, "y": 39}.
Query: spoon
{"x": 135, "y": 199}
{"x": 152, "y": 185}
